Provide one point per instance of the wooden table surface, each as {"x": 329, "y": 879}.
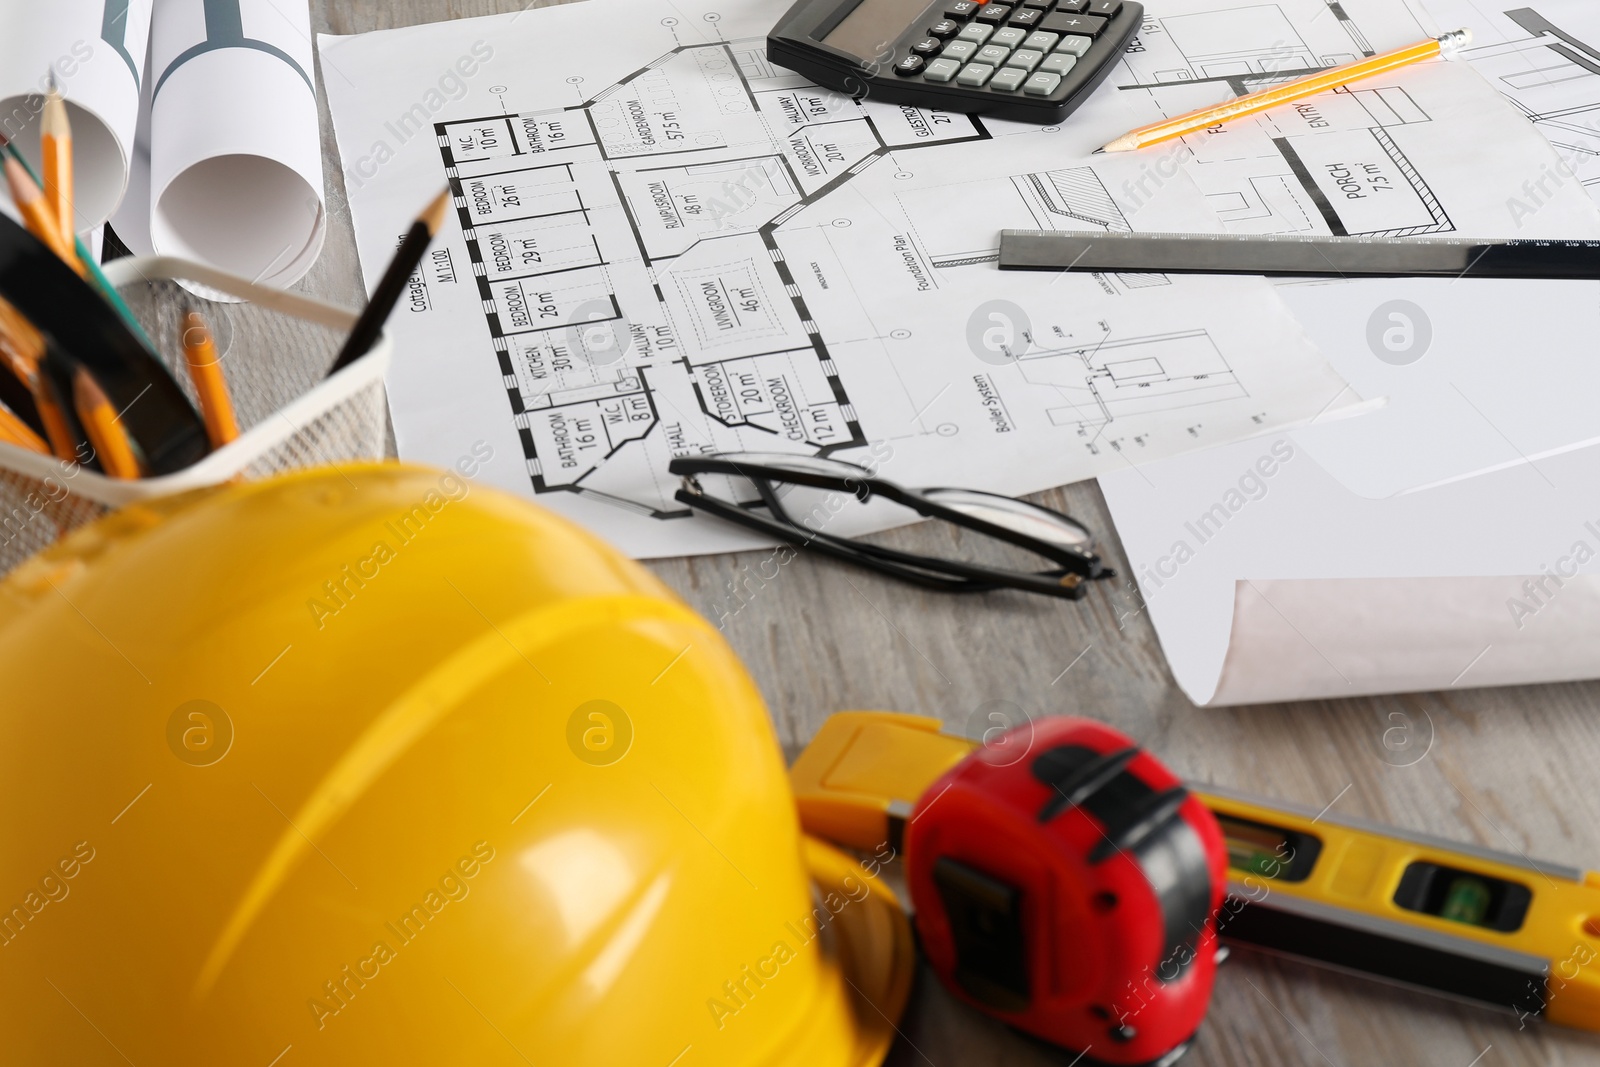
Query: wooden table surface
{"x": 1509, "y": 769}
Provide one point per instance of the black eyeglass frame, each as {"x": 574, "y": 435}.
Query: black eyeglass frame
{"x": 1066, "y": 581}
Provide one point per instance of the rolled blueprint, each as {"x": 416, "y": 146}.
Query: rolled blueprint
{"x": 96, "y": 51}
{"x": 1345, "y": 637}
{"x": 235, "y": 154}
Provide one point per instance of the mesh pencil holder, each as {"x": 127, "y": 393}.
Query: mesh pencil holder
{"x": 274, "y": 348}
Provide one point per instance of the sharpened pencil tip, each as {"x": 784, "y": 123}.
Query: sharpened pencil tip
{"x": 433, "y": 215}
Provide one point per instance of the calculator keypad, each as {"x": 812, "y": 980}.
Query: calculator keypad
{"x": 1041, "y": 84}
{"x": 1058, "y": 63}
{"x": 1020, "y": 46}
{"x": 1008, "y": 79}
{"x": 1083, "y": 25}
{"x": 974, "y": 74}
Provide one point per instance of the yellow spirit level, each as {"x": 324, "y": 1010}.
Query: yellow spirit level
{"x": 1437, "y": 915}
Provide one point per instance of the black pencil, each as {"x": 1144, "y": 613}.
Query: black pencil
{"x": 365, "y": 332}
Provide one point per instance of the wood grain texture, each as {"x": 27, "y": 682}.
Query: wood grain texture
{"x": 1511, "y": 769}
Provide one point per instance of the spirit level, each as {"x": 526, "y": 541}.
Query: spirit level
{"x": 1437, "y": 915}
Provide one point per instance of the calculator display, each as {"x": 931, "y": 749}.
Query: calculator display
{"x": 872, "y": 27}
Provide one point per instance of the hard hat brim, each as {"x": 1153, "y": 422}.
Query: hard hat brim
{"x": 869, "y": 962}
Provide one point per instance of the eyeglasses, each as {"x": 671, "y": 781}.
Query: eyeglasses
{"x": 1058, "y": 538}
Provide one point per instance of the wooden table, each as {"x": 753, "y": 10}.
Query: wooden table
{"x": 1510, "y": 769}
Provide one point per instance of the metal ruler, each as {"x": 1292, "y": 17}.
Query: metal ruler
{"x": 1175, "y": 253}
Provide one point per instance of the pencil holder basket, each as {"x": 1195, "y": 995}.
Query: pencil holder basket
{"x": 274, "y": 348}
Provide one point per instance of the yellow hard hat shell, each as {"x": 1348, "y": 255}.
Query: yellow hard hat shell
{"x": 377, "y": 765}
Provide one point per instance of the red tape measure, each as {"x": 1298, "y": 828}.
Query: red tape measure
{"x": 1066, "y": 883}
{"x": 1073, "y": 892}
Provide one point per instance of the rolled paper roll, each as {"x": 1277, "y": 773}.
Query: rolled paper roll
{"x": 96, "y": 51}
{"x": 235, "y": 149}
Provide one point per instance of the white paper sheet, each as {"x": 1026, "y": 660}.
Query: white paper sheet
{"x": 96, "y": 49}
{"x": 1298, "y": 587}
{"x": 235, "y": 156}
{"x": 733, "y": 259}
{"x": 1426, "y": 151}
{"x": 1544, "y": 56}
{"x": 1345, "y": 637}
{"x": 1265, "y": 514}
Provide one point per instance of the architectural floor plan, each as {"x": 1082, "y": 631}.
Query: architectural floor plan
{"x": 1545, "y": 59}
{"x": 627, "y": 254}
{"x": 679, "y": 248}
{"x": 643, "y": 261}
{"x": 1337, "y": 164}
{"x": 668, "y": 246}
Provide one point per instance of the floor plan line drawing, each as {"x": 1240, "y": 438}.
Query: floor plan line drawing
{"x": 1553, "y": 78}
{"x": 1249, "y": 48}
{"x": 668, "y": 320}
{"x": 669, "y": 246}
{"x": 1071, "y": 198}
{"x": 1127, "y": 375}
{"x": 1333, "y": 165}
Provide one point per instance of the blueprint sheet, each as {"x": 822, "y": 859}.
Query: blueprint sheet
{"x": 665, "y": 245}
{"x": 1269, "y": 578}
{"x": 1478, "y": 374}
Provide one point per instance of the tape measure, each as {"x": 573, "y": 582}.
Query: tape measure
{"x": 1073, "y": 890}
{"x": 1066, "y": 882}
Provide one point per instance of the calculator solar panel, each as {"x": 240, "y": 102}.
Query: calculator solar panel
{"x": 1033, "y": 60}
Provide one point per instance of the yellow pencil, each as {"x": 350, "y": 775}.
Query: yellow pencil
{"x": 52, "y": 412}
{"x": 13, "y": 431}
{"x": 38, "y": 216}
{"x": 14, "y": 325}
{"x": 205, "y": 370}
{"x": 1195, "y": 121}
{"x": 55, "y": 144}
{"x": 106, "y": 434}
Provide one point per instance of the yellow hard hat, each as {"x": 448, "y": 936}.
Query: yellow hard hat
{"x": 376, "y": 765}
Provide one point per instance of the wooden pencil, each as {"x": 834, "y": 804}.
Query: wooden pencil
{"x": 365, "y": 332}
{"x": 1195, "y": 121}
{"x": 52, "y": 395}
{"x": 13, "y": 431}
{"x": 95, "y": 274}
{"x": 101, "y": 423}
{"x": 38, "y": 216}
{"x": 205, "y": 370}
{"x": 55, "y": 144}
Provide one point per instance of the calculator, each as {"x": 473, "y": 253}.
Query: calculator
{"x": 1032, "y": 60}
